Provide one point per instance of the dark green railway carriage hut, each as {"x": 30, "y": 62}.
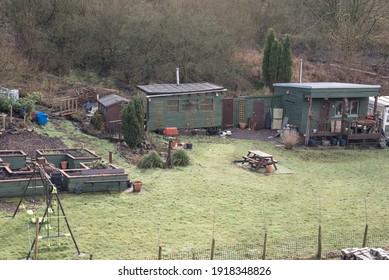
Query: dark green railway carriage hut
{"x": 185, "y": 106}
{"x": 326, "y": 109}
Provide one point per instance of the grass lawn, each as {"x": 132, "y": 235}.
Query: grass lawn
{"x": 184, "y": 208}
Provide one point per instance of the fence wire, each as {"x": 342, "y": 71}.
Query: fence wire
{"x": 305, "y": 247}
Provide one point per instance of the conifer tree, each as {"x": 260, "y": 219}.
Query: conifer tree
{"x": 277, "y": 60}
{"x": 132, "y": 122}
{"x": 285, "y": 71}
{"x": 266, "y": 56}
{"x": 274, "y": 62}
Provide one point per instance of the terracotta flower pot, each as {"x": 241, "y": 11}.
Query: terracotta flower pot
{"x": 41, "y": 160}
{"x": 137, "y": 186}
{"x": 64, "y": 164}
{"x": 242, "y": 125}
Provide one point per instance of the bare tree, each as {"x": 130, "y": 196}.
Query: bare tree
{"x": 349, "y": 23}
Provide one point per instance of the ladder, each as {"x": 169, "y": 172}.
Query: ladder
{"x": 241, "y": 111}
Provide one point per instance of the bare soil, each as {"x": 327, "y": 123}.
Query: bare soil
{"x": 260, "y": 135}
{"x": 29, "y": 142}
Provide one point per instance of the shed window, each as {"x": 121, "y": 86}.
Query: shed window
{"x": 172, "y": 105}
{"x": 206, "y": 105}
{"x": 354, "y": 107}
{"x": 339, "y": 108}
{"x": 189, "y": 105}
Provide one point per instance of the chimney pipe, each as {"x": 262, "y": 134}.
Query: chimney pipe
{"x": 178, "y": 75}
{"x": 301, "y": 71}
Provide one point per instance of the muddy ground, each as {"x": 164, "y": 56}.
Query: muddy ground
{"x": 28, "y": 142}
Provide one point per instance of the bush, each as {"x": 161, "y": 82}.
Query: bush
{"x": 26, "y": 103}
{"x": 98, "y": 120}
{"x": 132, "y": 116}
{"x": 180, "y": 158}
{"x": 151, "y": 160}
{"x": 290, "y": 137}
{"x": 5, "y": 104}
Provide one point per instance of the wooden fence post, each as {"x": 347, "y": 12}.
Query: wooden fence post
{"x": 213, "y": 249}
{"x": 159, "y": 253}
{"x": 264, "y": 247}
{"x": 110, "y": 157}
{"x": 365, "y": 236}
{"x": 36, "y": 238}
{"x": 319, "y": 244}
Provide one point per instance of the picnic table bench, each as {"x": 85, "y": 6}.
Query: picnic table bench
{"x": 259, "y": 159}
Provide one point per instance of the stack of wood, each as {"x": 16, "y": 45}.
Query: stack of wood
{"x": 364, "y": 254}
{"x": 86, "y": 93}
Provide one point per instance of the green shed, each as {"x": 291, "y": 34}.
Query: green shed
{"x": 249, "y": 111}
{"x": 185, "y": 106}
{"x": 326, "y": 109}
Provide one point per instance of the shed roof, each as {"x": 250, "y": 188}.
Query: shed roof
{"x": 177, "y": 89}
{"x": 327, "y": 85}
{"x": 111, "y": 99}
{"x": 383, "y": 100}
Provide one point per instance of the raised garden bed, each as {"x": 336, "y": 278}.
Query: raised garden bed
{"x": 15, "y": 158}
{"x": 12, "y": 182}
{"x": 73, "y": 157}
{"x": 94, "y": 180}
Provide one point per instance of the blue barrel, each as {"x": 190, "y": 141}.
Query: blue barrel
{"x": 334, "y": 141}
{"x": 42, "y": 118}
{"x": 22, "y": 112}
{"x": 311, "y": 142}
{"x": 342, "y": 142}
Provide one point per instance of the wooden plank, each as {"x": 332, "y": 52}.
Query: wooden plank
{"x": 105, "y": 181}
{"x": 102, "y": 171}
{"x": 260, "y": 153}
{"x": 374, "y": 136}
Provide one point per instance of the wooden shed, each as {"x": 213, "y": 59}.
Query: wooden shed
{"x": 185, "y": 106}
{"x": 110, "y": 107}
{"x": 321, "y": 110}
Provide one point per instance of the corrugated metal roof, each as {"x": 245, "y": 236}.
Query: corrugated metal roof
{"x": 111, "y": 99}
{"x": 179, "y": 88}
{"x": 383, "y": 100}
{"x": 326, "y": 85}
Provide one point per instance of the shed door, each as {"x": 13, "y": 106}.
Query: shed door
{"x": 228, "y": 112}
{"x": 259, "y": 112}
{"x": 323, "y": 124}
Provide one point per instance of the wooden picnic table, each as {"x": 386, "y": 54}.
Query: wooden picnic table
{"x": 259, "y": 159}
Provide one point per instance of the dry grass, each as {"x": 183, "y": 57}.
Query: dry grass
{"x": 290, "y": 138}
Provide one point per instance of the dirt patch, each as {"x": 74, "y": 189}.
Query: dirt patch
{"x": 7, "y": 206}
{"x": 29, "y": 142}
{"x": 260, "y": 135}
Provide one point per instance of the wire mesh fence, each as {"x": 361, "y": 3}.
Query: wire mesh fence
{"x": 316, "y": 246}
